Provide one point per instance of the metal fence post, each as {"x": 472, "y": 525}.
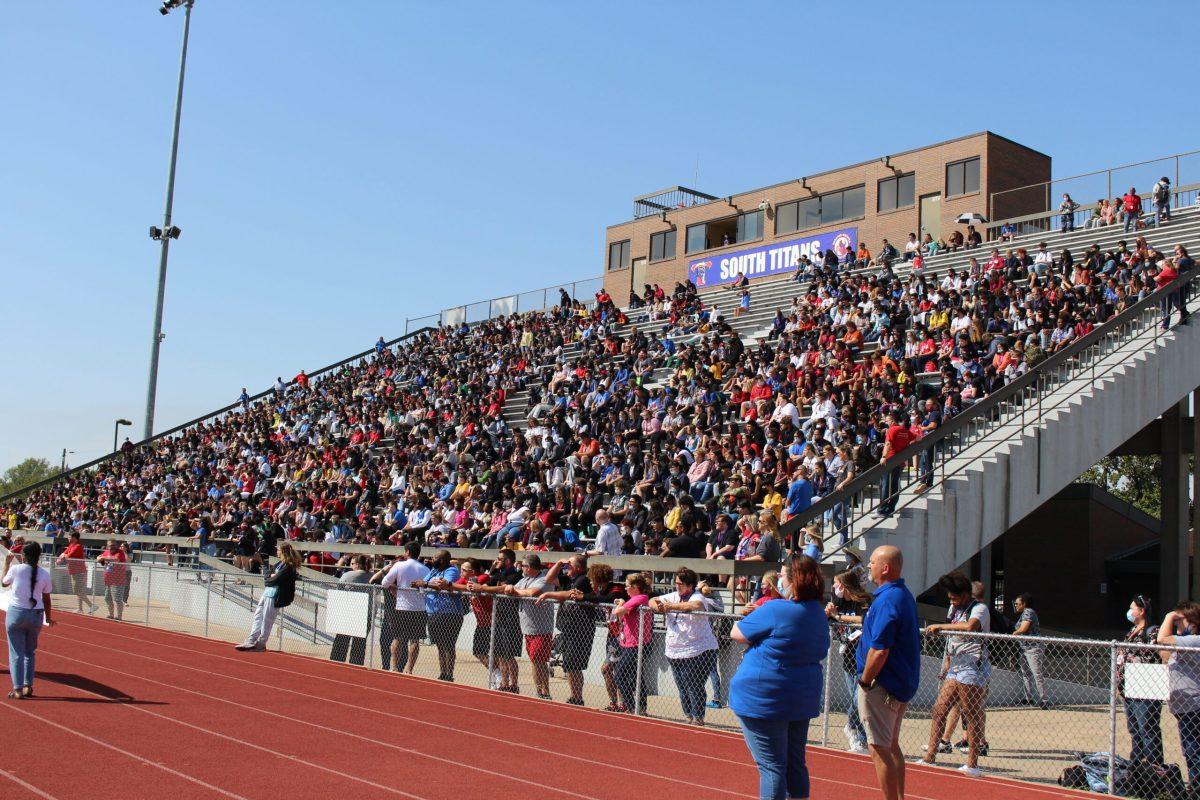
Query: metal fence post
{"x": 828, "y": 670}
{"x": 207, "y": 601}
{"x": 640, "y": 710}
{"x": 492, "y": 649}
{"x": 370, "y": 629}
{"x": 149, "y": 573}
{"x": 1112, "y": 714}
{"x": 279, "y": 629}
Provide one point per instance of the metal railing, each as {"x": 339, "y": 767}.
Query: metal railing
{"x": 1045, "y": 707}
{"x": 1087, "y": 185}
{"x": 519, "y": 303}
{"x": 1081, "y": 218}
{"x": 1018, "y": 403}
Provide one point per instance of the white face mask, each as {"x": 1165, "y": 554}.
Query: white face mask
{"x": 838, "y": 591}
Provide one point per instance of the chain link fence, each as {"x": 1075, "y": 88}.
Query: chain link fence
{"x": 1084, "y": 713}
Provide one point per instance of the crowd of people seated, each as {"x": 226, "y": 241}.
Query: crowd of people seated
{"x": 679, "y": 439}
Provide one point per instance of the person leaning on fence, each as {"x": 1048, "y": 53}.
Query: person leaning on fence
{"x": 576, "y": 620}
{"x": 445, "y": 611}
{"x": 847, "y": 611}
{"x": 1143, "y": 716}
{"x": 965, "y": 671}
{"x": 506, "y": 623}
{"x": 29, "y": 588}
{"x": 1031, "y": 652}
{"x": 279, "y": 591}
{"x": 412, "y": 619}
{"x": 74, "y": 557}
{"x": 471, "y": 571}
{"x": 636, "y": 631}
{"x": 691, "y": 646}
{"x": 344, "y": 646}
{"x": 1181, "y": 628}
{"x": 113, "y": 562}
{"x": 777, "y": 688}
{"x": 537, "y": 622}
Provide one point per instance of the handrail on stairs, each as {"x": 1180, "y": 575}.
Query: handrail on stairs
{"x": 985, "y": 409}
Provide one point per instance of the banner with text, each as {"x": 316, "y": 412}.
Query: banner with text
{"x": 771, "y": 259}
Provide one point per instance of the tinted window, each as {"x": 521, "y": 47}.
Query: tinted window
{"x": 854, "y": 202}
{"x": 618, "y": 255}
{"x": 962, "y": 177}
{"x": 750, "y": 226}
{"x": 785, "y": 218}
{"x": 896, "y": 193}
{"x": 662, "y": 245}
{"x": 696, "y": 238}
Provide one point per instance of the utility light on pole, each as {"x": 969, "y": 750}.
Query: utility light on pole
{"x": 63, "y": 466}
{"x": 168, "y": 231}
{"x": 116, "y": 429}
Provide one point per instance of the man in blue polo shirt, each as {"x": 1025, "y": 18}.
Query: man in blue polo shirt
{"x": 889, "y": 667}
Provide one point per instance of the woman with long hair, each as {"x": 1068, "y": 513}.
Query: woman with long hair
{"x": 777, "y": 688}
{"x": 279, "y": 591}
{"x": 846, "y": 613}
{"x": 28, "y": 606}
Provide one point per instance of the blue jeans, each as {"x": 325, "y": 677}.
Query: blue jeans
{"x": 690, "y": 676}
{"x": 853, "y": 721}
{"x": 1142, "y": 720}
{"x": 778, "y": 749}
{"x": 714, "y": 677}
{"x": 889, "y": 491}
{"x": 626, "y": 675}
{"x": 23, "y": 626}
{"x": 1189, "y": 740}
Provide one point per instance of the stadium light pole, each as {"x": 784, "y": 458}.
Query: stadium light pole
{"x": 116, "y": 429}
{"x": 168, "y": 231}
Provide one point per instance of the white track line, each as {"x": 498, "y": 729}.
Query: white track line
{"x": 391, "y": 715}
{"x": 122, "y": 751}
{"x": 219, "y": 735}
{"x": 491, "y": 773}
{"x": 28, "y": 786}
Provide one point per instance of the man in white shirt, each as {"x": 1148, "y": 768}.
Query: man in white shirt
{"x": 608, "y": 537}
{"x": 411, "y": 618}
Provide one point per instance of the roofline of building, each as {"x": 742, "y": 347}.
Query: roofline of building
{"x": 863, "y": 164}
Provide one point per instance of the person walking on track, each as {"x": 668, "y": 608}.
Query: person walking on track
{"x": 279, "y": 592}
{"x": 28, "y": 607}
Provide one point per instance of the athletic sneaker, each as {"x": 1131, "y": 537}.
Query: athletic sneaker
{"x": 715, "y": 704}
{"x": 943, "y": 746}
{"x": 963, "y": 748}
{"x": 857, "y": 746}
{"x": 969, "y": 771}
{"x": 494, "y": 679}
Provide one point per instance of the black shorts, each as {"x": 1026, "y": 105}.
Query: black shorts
{"x": 444, "y": 628}
{"x": 410, "y": 625}
{"x": 509, "y": 641}
{"x": 482, "y": 642}
{"x": 577, "y": 649}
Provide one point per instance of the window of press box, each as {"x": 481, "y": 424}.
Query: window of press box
{"x": 962, "y": 177}
{"x": 746, "y": 227}
{"x": 897, "y": 192}
{"x": 618, "y": 255}
{"x": 662, "y": 245}
{"x": 812, "y": 212}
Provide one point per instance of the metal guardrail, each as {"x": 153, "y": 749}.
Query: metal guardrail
{"x": 1044, "y": 188}
{"x": 1051, "y": 221}
{"x": 955, "y": 435}
{"x": 518, "y": 303}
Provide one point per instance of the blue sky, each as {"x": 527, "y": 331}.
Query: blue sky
{"x": 346, "y": 165}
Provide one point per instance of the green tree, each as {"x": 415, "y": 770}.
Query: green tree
{"x": 1134, "y": 479}
{"x": 27, "y": 473}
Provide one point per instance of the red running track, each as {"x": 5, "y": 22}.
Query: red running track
{"x": 135, "y": 712}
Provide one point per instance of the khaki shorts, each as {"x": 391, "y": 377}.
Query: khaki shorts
{"x": 881, "y": 716}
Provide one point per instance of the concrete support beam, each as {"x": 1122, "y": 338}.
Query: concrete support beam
{"x": 1175, "y": 548}
{"x": 1146, "y": 442}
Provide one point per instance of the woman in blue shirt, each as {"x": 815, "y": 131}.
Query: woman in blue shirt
{"x": 777, "y": 688}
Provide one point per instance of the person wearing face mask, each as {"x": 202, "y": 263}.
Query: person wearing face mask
{"x": 691, "y": 647}
{"x": 965, "y": 672}
{"x": 1181, "y": 628}
{"x": 1142, "y": 716}
{"x": 846, "y": 612}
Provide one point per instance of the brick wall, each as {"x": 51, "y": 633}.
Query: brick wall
{"x": 1002, "y": 163}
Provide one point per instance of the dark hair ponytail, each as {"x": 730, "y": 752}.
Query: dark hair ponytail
{"x": 32, "y": 553}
